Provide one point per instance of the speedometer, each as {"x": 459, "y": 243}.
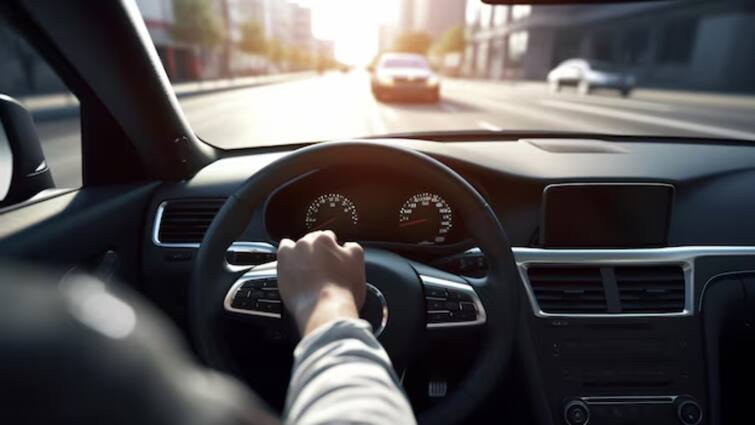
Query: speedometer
{"x": 332, "y": 211}
{"x": 425, "y": 218}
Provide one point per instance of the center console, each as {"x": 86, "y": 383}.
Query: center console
{"x": 613, "y": 312}
{"x": 613, "y": 317}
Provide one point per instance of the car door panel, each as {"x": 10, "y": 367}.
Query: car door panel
{"x": 78, "y": 228}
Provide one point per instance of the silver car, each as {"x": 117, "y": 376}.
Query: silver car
{"x": 587, "y": 75}
{"x": 405, "y": 76}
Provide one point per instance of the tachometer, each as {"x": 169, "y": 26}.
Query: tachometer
{"x": 332, "y": 211}
{"x": 425, "y": 218}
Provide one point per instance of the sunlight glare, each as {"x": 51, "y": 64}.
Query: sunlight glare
{"x": 353, "y": 25}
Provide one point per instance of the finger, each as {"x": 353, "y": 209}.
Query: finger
{"x": 328, "y": 238}
{"x": 285, "y": 246}
{"x": 354, "y": 249}
{"x": 310, "y": 237}
{"x": 286, "y": 243}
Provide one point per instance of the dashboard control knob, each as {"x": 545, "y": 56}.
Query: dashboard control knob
{"x": 689, "y": 412}
{"x": 576, "y": 413}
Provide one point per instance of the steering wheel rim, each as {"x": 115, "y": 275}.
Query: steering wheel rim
{"x": 498, "y": 290}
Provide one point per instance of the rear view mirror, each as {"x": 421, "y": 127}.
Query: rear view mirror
{"x": 23, "y": 169}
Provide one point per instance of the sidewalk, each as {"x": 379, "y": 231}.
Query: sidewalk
{"x": 55, "y": 106}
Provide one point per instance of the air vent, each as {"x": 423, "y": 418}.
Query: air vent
{"x": 568, "y": 289}
{"x": 657, "y": 289}
{"x": 185, "y": 222}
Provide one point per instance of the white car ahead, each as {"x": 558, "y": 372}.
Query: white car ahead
{"x": 587, "y": 75}
{"x": 405, "y": 75}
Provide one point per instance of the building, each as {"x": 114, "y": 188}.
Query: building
{"x": 180, "y": 60}
{"x": 406, "y": 16}
{"x": 302, "y": 28}
{"x": 431, "y": 16}
{"x": 283, "y": 21}
{"x": 695, "y": 45}
{"x": 386, "y": 37}
{"x": 279, "y": 20}
{"x": 435, "y": 17}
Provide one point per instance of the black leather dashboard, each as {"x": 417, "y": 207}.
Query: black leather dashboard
{"x": 636, "y": 366}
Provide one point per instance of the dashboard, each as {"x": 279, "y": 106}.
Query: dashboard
{"x": 367, "y": 206}
{"x": 653, "y": 265}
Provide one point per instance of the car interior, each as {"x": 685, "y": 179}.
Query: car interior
{"x": 515, "y": 276}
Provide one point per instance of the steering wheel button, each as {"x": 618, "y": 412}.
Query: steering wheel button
{"x": 468, "y": 307}
{"x": 439, "y": 317}
{"x": 452, "y": 306}
{"x": 467, "y": 316}
{"x": 432, "y": 292}
{"x": 252, "y": 284}
{"x": 433, "y": 304}
{"x": 239, "y": 302}
{"x": 458, "y": 296}
{"x": 269, "y": 307}
{"x": 271, "y": 295}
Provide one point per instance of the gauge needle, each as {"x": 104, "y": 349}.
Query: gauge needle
{"x": 323, "y": 224}
{"x": 412, "y": 222}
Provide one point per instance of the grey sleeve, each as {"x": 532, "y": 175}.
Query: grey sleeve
{"x": 342, "y": 375}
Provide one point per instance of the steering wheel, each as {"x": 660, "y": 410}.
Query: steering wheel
{"x": 411, "y": 298}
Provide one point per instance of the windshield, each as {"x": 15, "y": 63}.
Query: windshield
{"x": 269, "y": 72}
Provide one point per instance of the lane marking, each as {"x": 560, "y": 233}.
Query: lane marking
{"x": 388, "y": 113}
{"x": 649, "y": 119}
{"x": 448, "y": 108}
{"x": 377, "y": 125}
{"x": 488, "y": 126}
{"x": 619, "y": 102}
{"x": 540, "y": 115}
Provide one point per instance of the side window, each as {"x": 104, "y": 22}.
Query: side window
{"x": 27, "y": 78}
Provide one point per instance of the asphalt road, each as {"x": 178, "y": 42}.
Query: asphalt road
{"x": 338, "y": 106}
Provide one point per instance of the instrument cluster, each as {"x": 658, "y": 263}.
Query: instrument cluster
{"x": 365, "y": 206}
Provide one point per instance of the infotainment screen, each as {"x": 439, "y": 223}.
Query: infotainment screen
{"x": 609, "y": 215}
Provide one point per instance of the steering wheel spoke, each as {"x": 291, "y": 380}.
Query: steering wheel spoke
{"x": 255, "y": 293}
{"x": 451, "y": 303}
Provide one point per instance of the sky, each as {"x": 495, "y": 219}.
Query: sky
{"x": 353, "y": 25}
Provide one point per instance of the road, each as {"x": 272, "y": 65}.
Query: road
{"x": 339, "y": 106}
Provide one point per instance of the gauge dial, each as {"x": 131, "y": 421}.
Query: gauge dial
{"x": 332, "y": 211}
{"x": 425, "y": 218}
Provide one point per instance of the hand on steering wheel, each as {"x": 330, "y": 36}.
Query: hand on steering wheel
{"x": 320, "y": 281}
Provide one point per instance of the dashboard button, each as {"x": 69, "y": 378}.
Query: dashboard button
{"x": 689, "y": 412}
{"x": 576, "y": 413}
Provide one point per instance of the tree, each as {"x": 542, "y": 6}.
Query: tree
{"x": 253, "y": 38}
{"x": 195, "y": 22}
{"x": 451, "y": 41}
{"x": 276, "y": 51}
{"x": 412, "y": 42}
